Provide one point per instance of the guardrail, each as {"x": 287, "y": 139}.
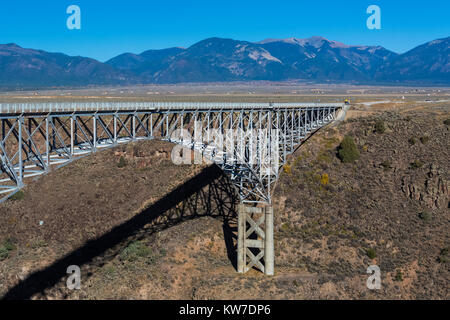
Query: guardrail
{"x": 118, "y": 106}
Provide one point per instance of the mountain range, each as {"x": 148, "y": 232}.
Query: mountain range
{"x": 315, "y": 59}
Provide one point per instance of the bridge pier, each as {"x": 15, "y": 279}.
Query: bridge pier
{"x": 269, "y": 255}
{"x": 255, "y": 247}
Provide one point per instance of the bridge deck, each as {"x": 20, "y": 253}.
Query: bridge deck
{"x": 14, "y": 108}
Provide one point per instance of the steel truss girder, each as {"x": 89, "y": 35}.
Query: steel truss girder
{"x": 32, "y": 143}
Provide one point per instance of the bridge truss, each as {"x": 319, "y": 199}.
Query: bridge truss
{"x": 250, "y": 142}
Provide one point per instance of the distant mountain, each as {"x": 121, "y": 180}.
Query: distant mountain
{"x": 209, "y": 60}
{"x": 146, "y": 64}
{"x": 314, "y": 59}
{"x": 21, "y": 67}
{"x": 317, "y": 58}
{"x": 217, "y": 59}
{"x": 429, "y": 62}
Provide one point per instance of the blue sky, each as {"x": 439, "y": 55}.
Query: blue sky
{"x": 113, "y": 27}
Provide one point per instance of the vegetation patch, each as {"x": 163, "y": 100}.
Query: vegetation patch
{"x": 348, "y": 151}
{"x": 18, "y": 196}
{"x": 325, "y": 179}
{"x": 399, "y": 276}
{"x": 110, "y": 272}
{"x": 443, "y": 257}
{"x": 122, "y": 162}
{"x": 371, "y": 253}
{"x": 287, "y": 169}
{"x": 134, "y": 251}
{"x": 380, "y": 126}
{"x": 386, "y": 165}
{"x": 5, "y": 249}
{"x": 424, "y": 139}
{"x": 140, "y": 251}
{"x": 416, "y": 164}
{"x": 39, "y": 244}
{"x": 425, "y": 216}
{"x": 154, "y": 257}
{"x": 328, "y": 143}
{"x": 324, "y": 157}
{"x": 412, "y": 141}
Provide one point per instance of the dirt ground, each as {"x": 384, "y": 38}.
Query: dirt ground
{"x": 153, "y": 230}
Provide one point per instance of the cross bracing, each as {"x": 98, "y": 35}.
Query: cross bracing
{"x": 249, "y": 141}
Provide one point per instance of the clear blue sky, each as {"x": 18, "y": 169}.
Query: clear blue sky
{"x": 111, "y": 27}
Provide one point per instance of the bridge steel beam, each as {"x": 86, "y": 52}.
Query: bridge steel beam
{"x": 37, "y": 138}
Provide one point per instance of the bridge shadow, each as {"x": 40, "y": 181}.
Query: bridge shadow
{"x": 209, "y": 193}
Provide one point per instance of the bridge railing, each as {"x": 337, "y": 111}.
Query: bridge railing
{"x": 157, "y": 106}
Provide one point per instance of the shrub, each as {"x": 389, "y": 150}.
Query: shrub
{"x": 416, "y": 164}
{"x": 18, "y": 196}
{"x": 285, "y": 227}
{"x": 4, "y": 253}
{"x": 443, "y": 257}
{"x": 412, "y": 141}
{"x": 5, "y": 249}
{"x": 425, "y": 216}
{"x": 287, "y": 169}
{"x": 424, "y": 139}
{"x": 325, "y": 179}
{"x": 399, "y": 276}
{"x": 447, "y": 122}
{"x": 371, "y": 253}
{"x": 348, "y": 151}
{"x": 134, "y": 251}
{"x": 386, "y": 165}
{"x": 122, "y": 162}
{"x": 9, "y": 245}
{"x": 379, "y": 126}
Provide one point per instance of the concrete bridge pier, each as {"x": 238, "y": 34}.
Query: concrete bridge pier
{"x": 255, "y": 239}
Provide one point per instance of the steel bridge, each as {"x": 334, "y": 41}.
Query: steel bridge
{"x": 250, "y": 142}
